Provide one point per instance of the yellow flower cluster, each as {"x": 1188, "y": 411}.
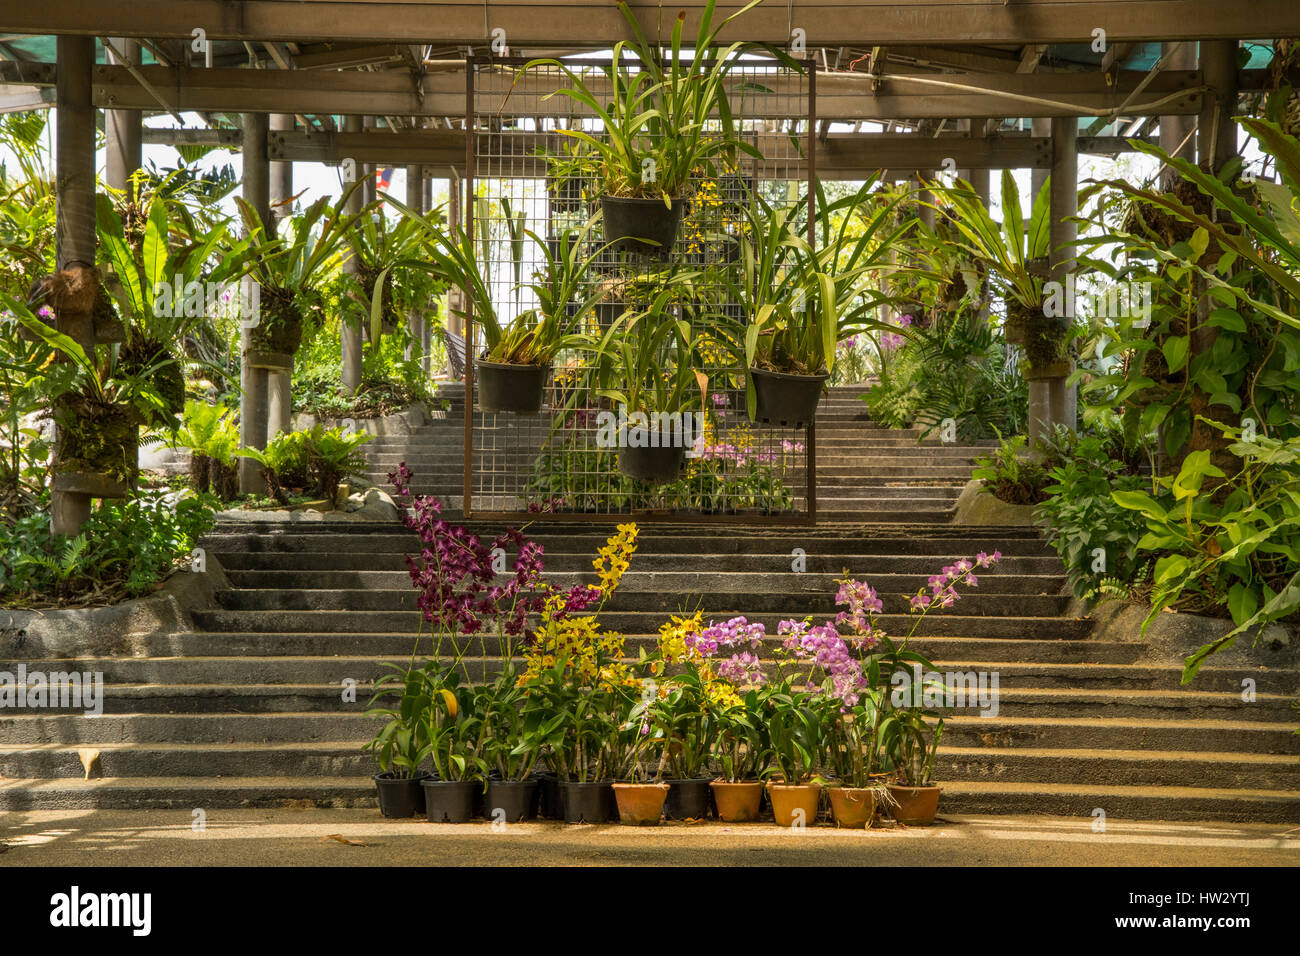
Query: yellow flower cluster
{"x": 672, "y": 638}
{"x": 612, "y": 560}
{"x": 590, "y": 657}
{"x": 673, "y": 649}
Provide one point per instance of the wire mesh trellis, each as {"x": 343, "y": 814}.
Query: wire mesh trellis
{"x": 527, "y": 177}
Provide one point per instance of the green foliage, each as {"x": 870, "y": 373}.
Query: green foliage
{"x": 1010, "y": 475}
{"x": 672, "y": 112}
{"x": 209, "y": 429}
{"x": 320, "y": 457}
{"x": 124, "y": 550}
{"x": 1082, "y": 516}
{"x": 954, "y": 368}
{"x": 1228, "y": 547}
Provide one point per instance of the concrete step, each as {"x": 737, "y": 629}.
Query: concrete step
{"x": 693, "y": 576}
{"x": 186, "y": 793}
{"x": 1122, "y": 802}
{"x": 624, "y": 622}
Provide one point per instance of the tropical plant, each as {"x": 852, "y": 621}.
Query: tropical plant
{"x": 1008, "y": 252}
{"x": 1009, "y": 474}
{"x": 670, "y": 115}
{"x": 911, "y": 744}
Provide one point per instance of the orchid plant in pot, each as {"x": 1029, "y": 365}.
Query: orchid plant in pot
{"x": 639, "y": 753}
{"x": 518, "y": 353}
{"x": 645, "y": 364}
{"x": 799, "y": 302}
{"x": 662, "y": 117}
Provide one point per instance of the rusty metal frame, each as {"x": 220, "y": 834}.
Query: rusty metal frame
{"x": 807, "y": 518}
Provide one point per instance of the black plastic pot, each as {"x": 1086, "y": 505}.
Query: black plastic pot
{"x": 510, "y": 801}
{"x": 643, "y": 226}
{"x": 655, "y": 465}
{"x": 687, "y": 799}
{"x": 549, "y": 802}
{"x": 399, "y": 797}
{"x": 449, "y": 801}
{"x": 785, "y": 399}
{"x": 588, "y": 802}
{"x": 511, "y": 388}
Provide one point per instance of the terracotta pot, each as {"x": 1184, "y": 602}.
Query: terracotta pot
{"x": 640, "y": 804}
{"x": 853, "y": 807}
{"x": 737, "y": 802}
{"x": 794, "y": 804}
{"x": 916, "y": 806}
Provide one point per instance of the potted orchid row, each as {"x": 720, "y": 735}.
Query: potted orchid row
{"x": 707, "y": 717}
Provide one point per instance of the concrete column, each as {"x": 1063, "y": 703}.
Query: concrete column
{"x": 982, "y": 180}
{"x": 1216, "y": 132}
{"x": 1050, "y": 401}
{"x": 122, "y": 128}
{"x": 1041, "y": 126}
{"x": 279, "y": 401}
{"x": 253, "y": 381}
{"x": 1176, "y": 131}
{"x": 370, "y": 192}
{"x": 281, "y": 174}
{"x": 415, "y": 320}
{"x": 455, "y": 319}
{"x": 351, "y": 321}
{"x": 75, "y": 217}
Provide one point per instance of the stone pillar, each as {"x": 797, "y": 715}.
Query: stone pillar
{"x": 1051, "y": 402}
{"x": 281, "y": 173}
{"x": 1176, "y": 131}
{"x": 982, "y": 180}
{"x": 1041, "y": 126}
{"x": 75, "y": 216}
{"x": 415, "y": 320}
{"x": 350, "y": 322}
{"x": 253, "y": 381}
{"x": 122, "y": 128}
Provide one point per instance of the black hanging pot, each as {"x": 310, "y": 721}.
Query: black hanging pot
{"x": 659, "y": 466}
{"x": 510, "y": 801}
{"x": 449, "y": 801}
{"x": 511, "y": 388}
{"x": 643, "y": 226}
{"x": 786, "y": 399}
{"x": 399, "y": 797}
{"x": 687, "y": 799}
{"x": 588, "y": 802}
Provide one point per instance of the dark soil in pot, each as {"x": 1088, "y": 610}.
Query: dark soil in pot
{"x": 511, "y": 388}
{"x": 656, "y": 465}
{"x": 510, "y": 801}
{"x": 399, "y": 797}
{"x": 588, "y": 802}
{"x": 785, "y": 399}
{"x": 643, "y": 226}
{"x": 449, "y": 801}
{"x": 688, "y": 799}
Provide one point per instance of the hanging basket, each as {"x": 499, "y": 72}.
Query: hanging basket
{"x": 659, "y": 466}
{"x": 511, "y": 388}
{"x": 786, "y": 399}
{"x": 643, "y": 226}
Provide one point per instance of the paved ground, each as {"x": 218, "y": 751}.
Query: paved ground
{"x": 362, "y": 837}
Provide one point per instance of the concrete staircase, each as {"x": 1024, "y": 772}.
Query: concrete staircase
{"x": 864, "y": 472}
{"x": 247, "y": 708}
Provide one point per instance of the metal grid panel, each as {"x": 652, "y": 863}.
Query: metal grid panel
{"x": 559, "y": 463}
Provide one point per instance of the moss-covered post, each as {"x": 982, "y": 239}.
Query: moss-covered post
{"x": 1063, "y": 398}
{"x": 75, "y": 231}
{"x": 252, "y": 380}
{"x": 279, "y": 380}
{"x": 1216, "y": 145}
{"x": 350, "y": 331}
{"x": 415, "y": 319}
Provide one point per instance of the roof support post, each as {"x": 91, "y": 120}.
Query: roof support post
{"x": 253, "y": 381}
{"x": 350, "y": 332}
{"x": 1176, "y": 132}
{"x": 75, "y": 230}
{"x": 122, "y": 128}
{"x": 281, "y": 187}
